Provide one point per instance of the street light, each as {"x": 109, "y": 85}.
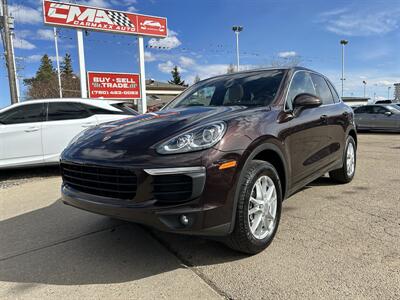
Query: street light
{"x": 365, "y": 86}
{"x": 343, "y": 43}
{"x": 389, "y": 87}
{"x": 237, "y": 30}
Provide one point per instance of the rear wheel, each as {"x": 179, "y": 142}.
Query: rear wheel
{"x": 259, "y": 209}
{"x": 346, "y": 173}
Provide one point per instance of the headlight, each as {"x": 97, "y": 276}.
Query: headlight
{"x": 193, "y": 140}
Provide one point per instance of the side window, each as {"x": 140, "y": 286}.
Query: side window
{"x": 66, "y": 111}
{"x": 322, "y": 89}
{"x": 30, "y": 113}
{"x": 379, "y": 110}
{"x": 301, "y": 83}
{"x": 360, "y": 110}
{"x": 335, "y": 94}
{"x": 99, "y": 111}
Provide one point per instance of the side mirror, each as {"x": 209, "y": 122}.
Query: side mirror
{"x": 306, "y": 100}
{"x": 388, "y": 113}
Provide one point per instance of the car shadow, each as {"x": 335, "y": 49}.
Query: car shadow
{"x": 62, "y": 245}
{"x": 28, "y": 173}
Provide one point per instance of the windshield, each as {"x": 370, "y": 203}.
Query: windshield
{"x": 245, "y": 89}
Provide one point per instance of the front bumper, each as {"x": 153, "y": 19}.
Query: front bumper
{"x": 208, "y": 211}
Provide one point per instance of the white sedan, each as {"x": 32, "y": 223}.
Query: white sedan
{"x": 36, "y": 132}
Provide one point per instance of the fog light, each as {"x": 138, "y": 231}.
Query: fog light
{"x": 184, "y": 220}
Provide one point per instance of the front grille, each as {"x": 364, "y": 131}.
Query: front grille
{"x": 100, "y": 181}
{"x": 172, "y": 188}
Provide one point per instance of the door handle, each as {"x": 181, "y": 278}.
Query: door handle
{"x": 324, "y": 118}
{"x": 32, "y": 129}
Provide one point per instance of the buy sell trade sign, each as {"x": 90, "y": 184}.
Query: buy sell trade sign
{"x": 113, "y": 85}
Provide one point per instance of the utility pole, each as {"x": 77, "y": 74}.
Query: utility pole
{"x": 7, "y": 25}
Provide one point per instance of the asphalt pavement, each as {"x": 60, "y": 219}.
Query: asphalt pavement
{"x": 334, "y": 241}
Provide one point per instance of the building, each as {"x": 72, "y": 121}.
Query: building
{"x": 160, "y": 93}
{"x": 355, "y": 101}
{"x": 397, "y": 92}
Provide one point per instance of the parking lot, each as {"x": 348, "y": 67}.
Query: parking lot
{"x": 334, "y": 241}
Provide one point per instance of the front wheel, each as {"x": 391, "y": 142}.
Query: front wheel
{"x": 258, "y": 209}
{"x": 346, "y": 173}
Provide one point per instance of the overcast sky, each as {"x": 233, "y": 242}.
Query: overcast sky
{"x": 202, "y": 43}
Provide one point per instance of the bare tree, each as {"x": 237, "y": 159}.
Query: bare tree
{"x": 291, "y": 61}
{"x": 231, "y": 69}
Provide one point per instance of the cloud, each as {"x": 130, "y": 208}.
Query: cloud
{"x": 360, "y": 22}
{"x": 148, "y": 56}
{"x": 45, "y": 34}
{"x": 26, "y": 15}
{"x": 167, "y": 67}
{"x": 186, "y": 61}
{"x": 286, "y": 54}
{"x": 167, "y": 43}
{"x": 20, "y": 43}
{"x": 131, "y": 9}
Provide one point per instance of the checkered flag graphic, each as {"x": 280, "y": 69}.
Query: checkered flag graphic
{"x": 120, "y": 19}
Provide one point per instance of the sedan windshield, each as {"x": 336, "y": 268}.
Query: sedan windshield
{"x": 257, "y": 88}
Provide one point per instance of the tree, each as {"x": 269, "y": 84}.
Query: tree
{"x": 66, "y": 66}
{"x": 44, "y": 84}
{"x": 196, "y": 79}
{"x": 291, "y": 61}
{"x": 46, "y": 71}
{"x": 231, "y": 69}
{"x": 176, "y": 77}
{"x": 69, "y": 80}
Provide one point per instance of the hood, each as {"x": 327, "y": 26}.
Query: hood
{"x": 135, "y": 135}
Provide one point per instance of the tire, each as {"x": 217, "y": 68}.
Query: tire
{"x": 242, "y": 238}
{"x": 344, "y": 175}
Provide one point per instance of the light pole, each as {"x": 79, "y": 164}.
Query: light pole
{"x": 365, "y": 87}
{"x": 237, "y": 30}
{"x": 343, "y": 43}
{"x": 389, "y": 87}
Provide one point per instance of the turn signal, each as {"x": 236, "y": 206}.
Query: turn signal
{"x": 227, "y": 165}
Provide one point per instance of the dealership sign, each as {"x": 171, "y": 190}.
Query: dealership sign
{"x": 113, "y": 85}
{"x": 92, "y": 18}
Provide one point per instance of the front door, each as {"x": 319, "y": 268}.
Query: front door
{"x": 21, "y": 135}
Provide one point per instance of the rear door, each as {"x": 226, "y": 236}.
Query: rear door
{"x": 64, "y": 121}
{"x": 362, "y": 117}
{"x": 21, "y": 135}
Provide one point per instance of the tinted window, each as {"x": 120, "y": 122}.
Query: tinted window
{"x": 66, "y": 111}
{"x": 335, "y": 94}
{"x": 30, "y": 113}
{"x": 301, "y": 83}
{"x": 244, "y": 89}
{"x": 322, "y": 89}
{"x": 361, "y": 110}
{"x": 379, "y": 110}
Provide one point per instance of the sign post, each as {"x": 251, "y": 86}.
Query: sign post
{"x": 143, "y": 104}
{"x": 82, "y": 66}
{"x": 106, "y": 20}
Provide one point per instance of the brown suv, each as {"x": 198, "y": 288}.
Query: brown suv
{"x": 219, "y": 159}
